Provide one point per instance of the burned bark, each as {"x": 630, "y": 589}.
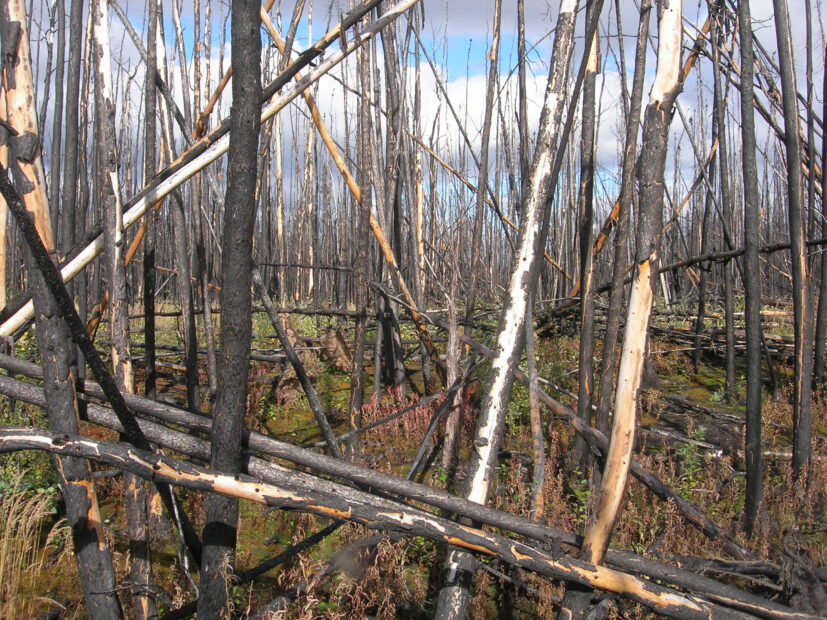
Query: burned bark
{"x": 230, "y": 404}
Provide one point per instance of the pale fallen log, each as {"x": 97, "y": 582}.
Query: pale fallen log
{"x": 362, "y": 508}
{"x": 269, "y": 472}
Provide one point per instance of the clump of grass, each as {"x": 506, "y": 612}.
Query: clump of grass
{"x": 23, "y": 514}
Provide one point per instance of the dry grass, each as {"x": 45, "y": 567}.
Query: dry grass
{"x": 23, "y": 555}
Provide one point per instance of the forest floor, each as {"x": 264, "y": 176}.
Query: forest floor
{"x": 688, "y": 435}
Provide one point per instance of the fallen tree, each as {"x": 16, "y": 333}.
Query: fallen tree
{"x": 365, "y": 509}
{"x": 375, "y": 483}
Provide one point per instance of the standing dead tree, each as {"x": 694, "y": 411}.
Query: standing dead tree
{"x": 802, "y": 385}
{"x": 657, "y": 119}
{"x": 453, "y": 598}
{"x": 752, "y": 275}
{"x": 230, "y": 403}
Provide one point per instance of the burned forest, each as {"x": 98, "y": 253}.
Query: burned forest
{"x": 413, "y": 309}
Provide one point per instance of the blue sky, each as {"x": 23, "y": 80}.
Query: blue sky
{"x": 457, "y": 33}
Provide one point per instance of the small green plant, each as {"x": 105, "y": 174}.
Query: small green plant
{"x": 440, "y": 476}
{"x": 691, "y": 462}
{"x": 581, "y": 492}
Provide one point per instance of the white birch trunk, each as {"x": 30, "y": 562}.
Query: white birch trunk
{"x": 453, "y": 597}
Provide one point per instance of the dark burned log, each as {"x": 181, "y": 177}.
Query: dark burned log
{"x": 66, "y": 309}
{"x": 298, "y": 367}
{"x": 269, "y": 472}
{"x": 374, "y": 514}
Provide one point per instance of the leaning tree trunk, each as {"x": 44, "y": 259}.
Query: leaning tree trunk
{"x": 802, "y": 386}
{"x": 94, "y": 559}
{"x": 230, "y": 405}
{"x": 657, "y": 119}
{"x": 453, "y": 598}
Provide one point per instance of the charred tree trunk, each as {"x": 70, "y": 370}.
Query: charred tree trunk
{"x": 135, "y": 499}
{"x": 94, "y": 559}
{"x": 150, "y": 168}
{"x": 802, "y": 386}
{"x": 752, "y": 274}
{"x": 228, "y": 412}
{"x": 821, "y": 322}
{"x": 482, "y": 183}
{"x": 720, "y": 107}
{"x": 581, "y": 454}
{"x": 361, "y": 258}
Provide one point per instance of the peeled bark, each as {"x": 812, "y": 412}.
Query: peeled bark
{"x": 627, "y": 188}
{"x": 377, "y": 514}
{"x": 657, "y": 119}
{"x": 94, "y": 559}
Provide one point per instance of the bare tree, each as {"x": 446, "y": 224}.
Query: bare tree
{"x": 803, "y": 368}
{"x": 94, "y": 558}
{"x": 230, "y": 404}
{"x": 657, "y": 119}
{"x": 453, "y": 598}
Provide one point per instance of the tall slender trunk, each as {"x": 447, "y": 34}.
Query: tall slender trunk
{"x": 627, "y": 189}
{"x": 453, "y": 598}
{"x": 57, "y": 115}
{"x": 4, "y": 208}
{"x": 482, "y": 184}
{"x": 585, "y": 200}
{"x": 362, "y": 257}
{"x": 821, "y": 322}
{"x": 704, "y": 269}
{"x": 228, "y": 412}
{"x": 150, "y": 168}
{"x": 720, "y": 107}
{"x": 108, "y": 183}
{"x": 752, "y": 274}
{"x": 802, "y": 385}
{"x": 70, "y": 144}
